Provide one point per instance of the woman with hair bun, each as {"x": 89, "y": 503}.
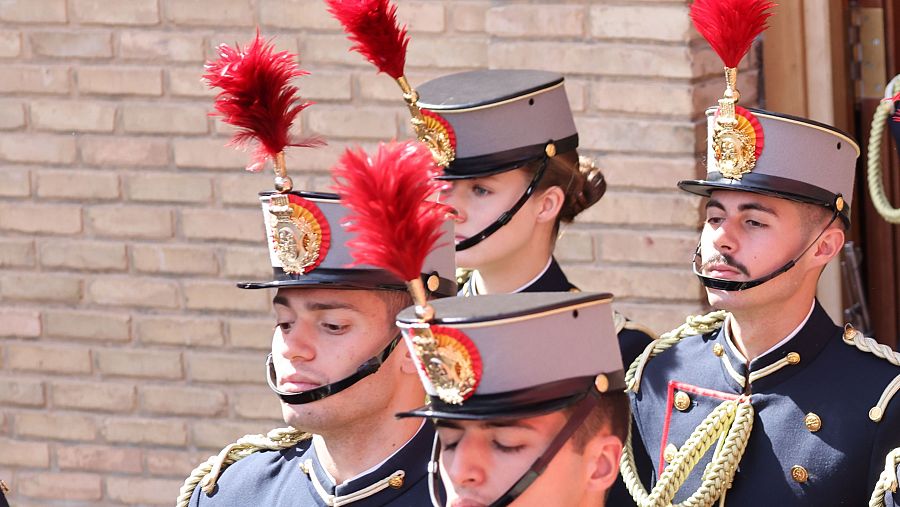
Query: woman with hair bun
{"x": 515, "y": 176}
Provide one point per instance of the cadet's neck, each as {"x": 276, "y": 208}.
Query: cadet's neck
{"x": 507, "y": 275}
{"x": 755, "y": 331}
{"x": 355, "y": 448}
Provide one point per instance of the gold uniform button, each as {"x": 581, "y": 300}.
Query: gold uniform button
{"x": 434, "y": 283}
{"x": 813, "y": 422}
{"x": 682, "y": 401}
{"x": 670, "y": 452}
{"x": 799, "y": 474}
{"x": 718, "y": 350}
{"x": 793, "y": 358}
{"x": 396, "y": 482}
{"x": 601, "y": 382}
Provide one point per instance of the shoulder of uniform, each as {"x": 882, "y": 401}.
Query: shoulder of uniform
{"x": 207, "y": 473}
{"x": 693, "y": 325}
{"x": 623, "y": 322}
{"x": 854, "y": 338}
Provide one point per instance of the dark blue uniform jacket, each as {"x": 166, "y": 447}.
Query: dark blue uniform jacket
{"x": 278, "y": 479}
{"x": 833, "y": 380}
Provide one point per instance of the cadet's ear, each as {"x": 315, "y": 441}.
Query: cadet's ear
{"x": 601, "y": 459}
{"x": 829, "y": 245}
{"x": 551, "y": 201}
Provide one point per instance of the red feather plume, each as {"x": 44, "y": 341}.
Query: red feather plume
{"x": 372, "y": 26}
{"x": 730, "y": 25}
{"x": 396, "y": 226}
{"x": 257, "y": 96}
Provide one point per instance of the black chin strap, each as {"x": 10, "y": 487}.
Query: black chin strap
{"x": 367, "y": 368}
{"x": 734, "y": 285}
{"x": 581, "y": 411}
{"x": 508, "y": 214}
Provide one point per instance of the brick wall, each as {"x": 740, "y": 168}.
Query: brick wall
{"x": 126, "y": 353}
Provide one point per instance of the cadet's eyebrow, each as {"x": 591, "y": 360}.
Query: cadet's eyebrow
{"x": 712, "y": 203}
{"x": 314, "y": 306}
{"x": 509, "y": 423}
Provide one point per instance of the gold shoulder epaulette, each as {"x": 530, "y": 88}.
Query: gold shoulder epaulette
{"x": 866, "y": 344}
{"x": 207, "y": 473}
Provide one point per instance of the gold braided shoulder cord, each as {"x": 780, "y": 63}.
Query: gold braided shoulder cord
{"x": 887, "y": 481}
{"x": 866, "y": 344}
{"x": 729, "y": 425}
{"x": 207, "y": 473}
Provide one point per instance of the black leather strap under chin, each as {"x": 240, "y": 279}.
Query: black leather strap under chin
{"x": 367, "y": 368}
{"x": 735, "y": 285}
{"x": 507, "y": 215}
{"x": 582, "y": 409}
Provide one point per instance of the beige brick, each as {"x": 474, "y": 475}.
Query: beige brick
{"x": 638, "y": 283}
{"x": 226, "y": 369}
{"x": 145, "y": 432}
{"x": 130, "y": 221}
{"x": 605, "y": 60}
{"x": 20, "y": 323}
{"x": 643, "y": 208}
{"x": 136, "y": 292}
{"x": 82, "y": 255}
{"x": 469, "y": 16}
{"x": 208, "y": 154}
{"x": 160, "y": 46}
{"x": 297, "y": 14}
{"x": 157, "y": 119}
{"x": 326, "y": 85}
{"x": 70, "y": 115}
{"x": 120, "y": 81}
{"x": 81, "y": 185}
{"x": 12, "y": 116}
{"x": 10, "y": 43}
{"x": 85, "y": 325}
{"x": 124, "y": 151}
{"x": 340, "y": 121}
{"x": 40, "y": 218}
{"x": 210, "y": 12}
{"x": 251, "y": 333}
{"x": 55, "y": 426}
{"x": 37, "y": 148}
{"x": 257, "y": 404}
{"x": 243, "y": 189}
{"x": 434, "y": 52}
{"x": 176, "y": 464}
{"x": 33, "y": 11}
{"x": 234, "y": 225}
{"x": 174, "y": 259}
{"x": 34, "y": 79}
{"x": 15, "y": 182}
{"x": 81, "y": 44}
{"x": 171, "y": 400}
{"x": 218, "y": 434}
{"x": 575, "y": 246}
{"x": 133, "y": 490}
{"x": 93, "y": 396}
{"x": 196, "y": 332}
{"x": 120, "y": 12}
{"x": 669, "y": 23}
{"x": 224, "y": 296}
{"x": 187, "y": 83}
{"x": 422, "y": 16}
{"x": 98, "y": 458}
{"x": 638, "y": 171}
{"x": 652, "y": 247}
{"x": 71, "y": 486}
{"x": 41, "y": 287}
{"x": 649, "y": 96}
{"x": 247, "y": 263}
{"x": 380, "y": 87}
{"x": 48, "y": 359}
{"x": 139, "y": 363}
{"x": 16, "y": 253}
{"x": 242, "y": 37}
{"x": 630, "y": 135}
{"x": 168, "y": 187}
{"x": 20, "y": 453}
{"x": 21, "y": 393}
{"x": 545, "y": 20}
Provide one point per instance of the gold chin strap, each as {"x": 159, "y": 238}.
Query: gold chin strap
{"x": 729, "y": 426}
{"x": 207, "y": 473}
{"x": 865, "y": 344}
{"x": 887, "y": 481}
